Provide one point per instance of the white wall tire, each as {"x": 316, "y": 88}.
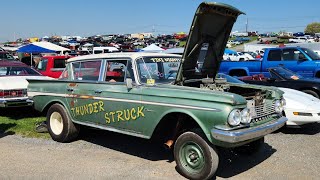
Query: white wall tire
{"x": 56, "y": 123}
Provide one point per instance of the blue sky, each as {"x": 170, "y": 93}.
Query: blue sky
{"x": 37, "y": 18}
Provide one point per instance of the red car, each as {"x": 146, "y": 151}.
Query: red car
{"x": 52, "y": 66}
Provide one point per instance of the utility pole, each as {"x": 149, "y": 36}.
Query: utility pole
{"x": 153, "y": 28}
{"x": 247, "y": 25}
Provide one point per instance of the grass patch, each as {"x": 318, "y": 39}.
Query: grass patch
{"x": 21, "y": 121}
{"x": 182, "y": 43}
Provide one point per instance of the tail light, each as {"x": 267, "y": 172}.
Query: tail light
{"x": 13, "y": 93}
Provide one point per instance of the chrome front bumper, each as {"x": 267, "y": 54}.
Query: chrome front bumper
{"x": 239, "y": 135}
{"x": 15, "y": 102}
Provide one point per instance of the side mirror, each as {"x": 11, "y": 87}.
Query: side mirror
{"x": 129, "y": 83}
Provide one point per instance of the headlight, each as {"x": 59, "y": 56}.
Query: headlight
{"x": 234, "y": 117}
{"x": 283, "y": 103}
{"x": 245, "y": 116}
{"x": 278, "y": 107}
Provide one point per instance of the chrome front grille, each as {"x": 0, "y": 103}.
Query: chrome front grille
{"x": 262, "y": 111}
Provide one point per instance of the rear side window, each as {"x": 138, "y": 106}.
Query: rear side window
{"x": 116, "y": 71}
{"x": 86, "y": 71}
{"x": 290, "y": 55}
{"x": 274, "y": 55}
{"x": 59, "y": 63}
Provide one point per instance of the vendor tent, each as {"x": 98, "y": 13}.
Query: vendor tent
{"x": 152, "y": 48}
{"x": 32, "y": 49}
{"x": 51, "y": 46}
{"x": 174, "y": 51}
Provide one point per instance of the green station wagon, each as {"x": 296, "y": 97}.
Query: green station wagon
{"x": 175, "y": 99}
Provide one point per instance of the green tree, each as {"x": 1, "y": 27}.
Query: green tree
{"x": 312, "y": 28}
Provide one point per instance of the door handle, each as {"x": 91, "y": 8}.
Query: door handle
{"x": 70, "y": 89}
{"x": 97, "y": 91}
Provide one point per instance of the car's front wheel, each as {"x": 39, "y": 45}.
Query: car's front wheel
{"x": 195, "y": 157}
{"x": 60, "y": 126}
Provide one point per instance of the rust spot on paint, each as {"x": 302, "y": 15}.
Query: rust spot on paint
{"x": 86, "y": 97}
{"x": 72, "y": 103}
{"x": 73, "y": 84}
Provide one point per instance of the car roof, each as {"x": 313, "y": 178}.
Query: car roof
{"x": 132, "y": 55}
{"x": 5, "y": 63}
{"x": 287, "y": 47}
{"x": 56, "y": 57}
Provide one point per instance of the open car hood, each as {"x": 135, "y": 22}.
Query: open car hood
{"x": 208, "y": 36}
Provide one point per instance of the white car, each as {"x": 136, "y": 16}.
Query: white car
{"x": 13, "y": 83}
{"x": 301, "y": 108}
{"x": 237, "y": 56}
{"x": 301, "y": 39}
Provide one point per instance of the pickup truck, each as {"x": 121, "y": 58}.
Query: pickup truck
{"x": 52, "y": 66}
{"x": 300, "y": 60}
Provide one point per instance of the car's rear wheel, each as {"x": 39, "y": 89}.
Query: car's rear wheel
{"x": 60, "y": 126}
{"x": 195, "y": 157}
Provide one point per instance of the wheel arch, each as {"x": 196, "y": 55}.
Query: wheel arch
{"x": 169, "y": 121}
{"x": 314, "y": 89}
{"x": 49, "y": 104}
{"x": 317, "y": 73}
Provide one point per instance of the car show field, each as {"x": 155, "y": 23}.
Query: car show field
{"x": 212, "y": 103}
{"x": 288, "y": 154}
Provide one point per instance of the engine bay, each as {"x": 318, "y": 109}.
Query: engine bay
{"x": 221, "y": 84}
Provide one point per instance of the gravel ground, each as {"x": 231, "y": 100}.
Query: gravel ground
{"x": 289, "y": 154}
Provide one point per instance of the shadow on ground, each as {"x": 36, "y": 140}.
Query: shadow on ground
{"x": 139, "y": 147}
{"x": 233, "y": 163}
{"x": 4, "y": 128}
{"x": 19, "y": 113}
{"x": 307, "y": 129}
{"x": 230, "y": 165}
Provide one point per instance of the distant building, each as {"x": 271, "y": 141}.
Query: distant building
{"x": 33, "y": 39}
{"x": 141, "y": 35}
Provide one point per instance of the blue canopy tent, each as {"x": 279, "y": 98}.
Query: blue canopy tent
{"x": 31, "y": 48}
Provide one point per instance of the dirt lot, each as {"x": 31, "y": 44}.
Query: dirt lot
{"x": 289, "y": 154}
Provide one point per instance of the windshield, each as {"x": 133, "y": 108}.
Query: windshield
{"x": 311, "y": 53}
{"x": 229, "y": 78}
{"x": 153, "y": 70}
{"x": 18, "y": 71}
{"x": 280, "y": 72}
{"x": 6, "y": 56}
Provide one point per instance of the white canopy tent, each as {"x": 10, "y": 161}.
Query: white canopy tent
{"x": 152, "y": 48}
{"x": 51, "y": 46}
